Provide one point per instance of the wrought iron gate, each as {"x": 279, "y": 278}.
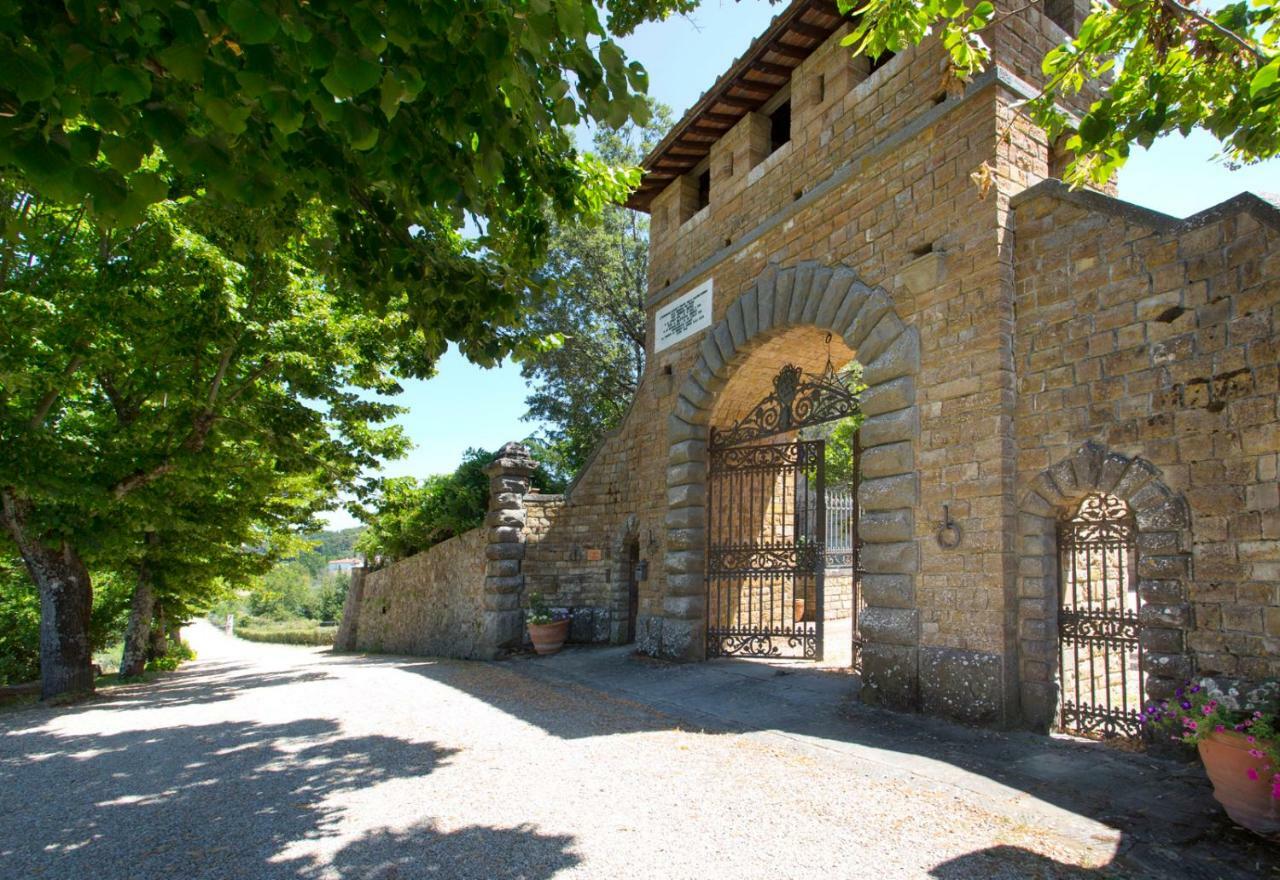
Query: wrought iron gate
{"x": 767, "y": 521}
{"x": 766, "y": 553}
{"x": 1100, "y": 673}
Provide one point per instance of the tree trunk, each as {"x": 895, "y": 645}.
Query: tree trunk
{"x": 157, "y": 642}
{"x": 137, "y": 635}
{"x": 66, "y": 600}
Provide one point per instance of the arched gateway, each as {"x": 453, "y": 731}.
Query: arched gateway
{"x": 830, "y": 299}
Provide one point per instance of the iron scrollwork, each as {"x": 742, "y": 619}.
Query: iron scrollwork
{"x": 798, "y": 400}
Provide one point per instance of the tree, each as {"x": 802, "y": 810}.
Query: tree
{"x": 597, "y": 274}
{"x": 400, "y": 117}
{"x": 409, "y": 516}
{"x": 188, "y": 362}
{"x": 1173, "y": 66}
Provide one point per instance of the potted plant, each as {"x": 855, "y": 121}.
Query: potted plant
{"x": 1236, "y": 729}
{"x": 547, "y": 629}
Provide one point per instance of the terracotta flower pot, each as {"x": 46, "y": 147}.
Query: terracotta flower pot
{"x": 799, "y": 610}
{"x": 1247, "y": 801}
{"x": 548, "y": 638}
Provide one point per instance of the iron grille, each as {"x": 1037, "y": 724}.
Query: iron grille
{"x": 1100, "y": 671}
{"x": 766, "y": 550}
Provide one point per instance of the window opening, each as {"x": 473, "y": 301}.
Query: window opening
{"x": 780, "y": 126}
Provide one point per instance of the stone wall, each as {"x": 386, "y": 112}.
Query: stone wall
{"x": 1155, "y": 342}
{"x": 430, "y": 604}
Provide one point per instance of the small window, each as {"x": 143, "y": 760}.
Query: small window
{"x": 879, "y": 61}
{"x": 704, "y": 190}
{"x": 780, "y": 126}
{"x": 819, "y": 88}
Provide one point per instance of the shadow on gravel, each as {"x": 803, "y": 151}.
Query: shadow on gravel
{"x": 1169, "y": 824}
{"x": 563, "y": 710}
{"x": 209, "y": 801}
{"x": 472, "y": 853}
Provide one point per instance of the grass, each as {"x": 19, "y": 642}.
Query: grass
{"x": 291, "y": 632}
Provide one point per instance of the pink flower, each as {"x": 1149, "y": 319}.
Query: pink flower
{"x": 1255, "y": 753}
{"x": 1206, "y": 710}
{"x": 1275, "y": 790}
{"x": 1219, "y": 728}
{"x": 1252, "y": 773}
{"x": 1251, "y": 739}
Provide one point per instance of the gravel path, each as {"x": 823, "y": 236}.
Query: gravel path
{"x": 271, "y": 761}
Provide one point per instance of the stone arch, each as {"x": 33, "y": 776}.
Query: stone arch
{"x": 619, "y": 593}
{"x": 833, "y": 299}
{"x": 1163, "y": 524}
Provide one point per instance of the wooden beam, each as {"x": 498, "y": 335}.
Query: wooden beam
{"x": 764, "y": 90}
{"x": 744, "y": 103}
{"x": 703, "y": 128}
{"x": 789, "y": 50}
{"x": 720, "y": 117}
{"x": 772, "y": 69}
{"x": 810, "y": 30}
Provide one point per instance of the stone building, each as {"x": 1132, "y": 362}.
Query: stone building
{"x": 1070, "y": 436}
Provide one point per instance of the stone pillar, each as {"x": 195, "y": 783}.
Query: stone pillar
{"x": 503, "y": 623}
{"x": 350, "y": 625}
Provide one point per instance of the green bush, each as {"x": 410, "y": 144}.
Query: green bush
{"x": 301, "y": 633}
{"x": 175, "y": 654}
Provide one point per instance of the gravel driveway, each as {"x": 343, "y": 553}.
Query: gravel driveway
{"x": 272, "y": 761}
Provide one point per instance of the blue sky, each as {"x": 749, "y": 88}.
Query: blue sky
{"x": 466, "y": 406}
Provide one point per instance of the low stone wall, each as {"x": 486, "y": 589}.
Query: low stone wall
{"x": 430, "y": 604}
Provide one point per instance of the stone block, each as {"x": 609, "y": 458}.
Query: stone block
{"x": 500, "y": 631}
{"x": 1163, "y": 616}
{"x": 873, "y": 309}
{"x": 679, "y": 429}
{"x": 750, "y": 314}
{"x": 900, "y": 557}
{"x": 502, "y": 567}
{"x": 1169, "y": 516}
{"x": 1113, "y": 467}
{"x": 888, "y": 493}
{"x": 1038, "y": 705}
{"x": 888, "y": 396}
{"x": 504, "y": 551}
{"x": 889, "y": 590}
{"x": 901, "y": 358}
{"x": 686, "y": 473}
{"x": 690, "y": 607}
{"x": 1087, "y": 464}
{"x": 506, "y": 535}
{"x": 686, "y": 583}
{"x": 688, "y": 495}
{"x": 832, "y": 298}
{"x": 1161, "y": 592}
{"x": 1161, "y": 641}
{"x": 513, "y": 518}
{"x": 888, "y": 459}
{"x": 1137, "y": 475}
{"x": 685, "y": 561}
{"x": 688, "y": 450}
{"x": 961, "y": 684}
{"x": 649, "y": 634}
{"x": 882, "y": 526}
{"x": 880, "y": 338}
{"x": 683, "y": 639}
{"x": 903, "y": 424}
{"x": 686, "y": 518}
{"x": 890, "y": 626}
{"x": 891, "y": 676}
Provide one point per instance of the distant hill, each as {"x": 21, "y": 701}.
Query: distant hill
{"x": 336, "y": 544}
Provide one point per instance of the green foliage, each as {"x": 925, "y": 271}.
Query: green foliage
{"x": 295, "y": 633}
{"x": 188, "y": 375}
{"x": 19, "y": 625}
{"x": 401, "y": 117}
{"x": 1160, "y": 67}
{"x": 409, "y": 516}
{"x": 597, "y": 276}
{"x": 176, "y": 653}
{"x": 20, "y": 619}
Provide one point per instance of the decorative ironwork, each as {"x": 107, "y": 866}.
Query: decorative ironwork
{"x": 766, "y": 550}
{"x": 798, "y": 399}
{"x": 1100, "y": 657}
